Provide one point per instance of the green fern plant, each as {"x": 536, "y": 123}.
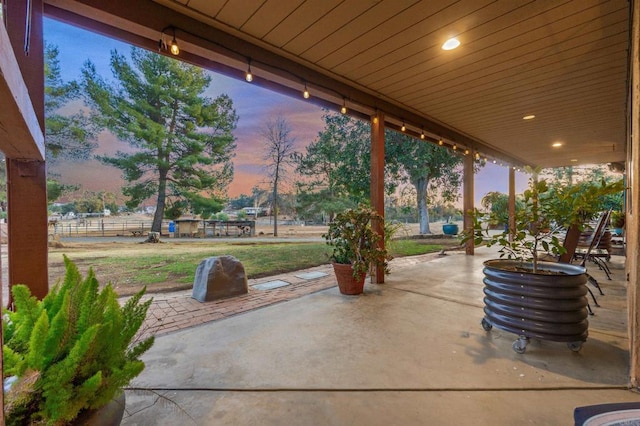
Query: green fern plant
{"x": 72, "y": 351}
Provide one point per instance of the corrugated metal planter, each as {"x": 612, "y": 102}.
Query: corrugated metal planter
{"x": 550, "y": 306}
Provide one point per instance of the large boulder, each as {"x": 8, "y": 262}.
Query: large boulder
{"x": 219, "y": 277}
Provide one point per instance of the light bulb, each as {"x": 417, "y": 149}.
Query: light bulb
{"x": 305, "y": 94}
{"x": 422, "y": 135}
{"x": 344, "y": 106}
{"x": 403, "y": 128}
{"x": 175, "y": 50}
{"x": 454, "y": 147}
{"x": 440, "y": 142}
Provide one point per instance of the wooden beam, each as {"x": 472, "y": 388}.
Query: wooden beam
{"x": 377, "y": 182}
{"x": 26, "y": 172}
{"x": 467, "y": 200}
{"x": 512, "y": 204}
{"x": 20, "y": 132}
{"x": 633, "y": 205}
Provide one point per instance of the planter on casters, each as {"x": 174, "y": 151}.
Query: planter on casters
{"x": 548, "y": 306}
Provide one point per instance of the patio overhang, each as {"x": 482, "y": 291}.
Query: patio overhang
{"x": 565, "y": 63}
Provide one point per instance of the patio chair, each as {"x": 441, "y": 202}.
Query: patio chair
{"x": 590, "y": 249}
{"x": 592, "y": 241}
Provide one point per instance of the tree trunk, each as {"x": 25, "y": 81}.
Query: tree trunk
{"x": 275, "y": 206}
{"x": 423, "y": 212}
{"x": 156, "y": 226}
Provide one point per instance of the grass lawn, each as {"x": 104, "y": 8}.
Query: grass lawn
{"x": 170, "y": 266}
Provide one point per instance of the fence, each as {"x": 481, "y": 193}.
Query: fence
{"x": 99, "y": 227}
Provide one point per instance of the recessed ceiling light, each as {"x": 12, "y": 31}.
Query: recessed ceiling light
{"x": 529, "y": 117}
{"x": 556, "y": 144}
{"x": 451, "y": 44}
{"x": 574, "y": 160}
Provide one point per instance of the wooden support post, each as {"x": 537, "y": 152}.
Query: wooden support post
{"x": 377, "y": 183}
{"x": 633, "y": 200}
{"x": 467, "y": 200}
{"x": 26, "y": 175}
{"x": 512, "y": 204}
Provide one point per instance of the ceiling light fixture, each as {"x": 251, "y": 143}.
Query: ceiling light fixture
{"x": 305, "y": 93}
{"x": 344, "y": 106}
{"x": 556, "y": 144}
{"x": 248, "y": 76}
{"x": 529, "y": 117}
{"x": 451, "y": 44}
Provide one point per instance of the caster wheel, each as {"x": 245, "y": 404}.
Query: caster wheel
{"x": 520, "y": 346}
{"x": 574, "y": 346}
{"x": 486, "y": 325}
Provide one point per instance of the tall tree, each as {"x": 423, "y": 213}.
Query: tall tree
{"x": 278, "y": 149}
{"x": 428, "y": 167}
{"x": 336, "y": 167}
{"x": 182, "y": 140}
{"x": 70, "y": 136}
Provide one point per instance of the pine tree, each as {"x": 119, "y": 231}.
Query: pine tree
{"x": 182, "y": 141}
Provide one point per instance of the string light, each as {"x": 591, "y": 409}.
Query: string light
{"x": 440, "y": 142}
{"x": 173, "y": 44}
{"x": 477, "y": 156}
{"x": 344, "y": 106}
{"x": 466, "y": 151}
{"x": 422, "y": 134}
{"x": 248, "y": 76}
{"x": 403, "y": 128}
{"x": 454, "y": 147}
{"x": 305, "y": 94}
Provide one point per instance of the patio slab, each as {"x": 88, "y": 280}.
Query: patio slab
{"x": 410, "y": 351}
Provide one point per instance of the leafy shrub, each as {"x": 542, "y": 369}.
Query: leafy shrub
{"x": 72, "y": 351}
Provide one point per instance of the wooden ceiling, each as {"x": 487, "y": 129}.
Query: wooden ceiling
{"x": 566, "y": 62}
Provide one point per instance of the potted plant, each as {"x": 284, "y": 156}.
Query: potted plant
{"x": 530, "y": 297}
{"x": 355, "y": 248}
{"x": 617, "y": 222}
{"x": 449, "y": 228}
{"x": 71, "y": 352}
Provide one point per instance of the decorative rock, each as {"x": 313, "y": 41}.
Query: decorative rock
{"x": 219, "y": 277}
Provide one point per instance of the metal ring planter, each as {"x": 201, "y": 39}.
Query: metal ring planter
{"x": 550, "y": 306}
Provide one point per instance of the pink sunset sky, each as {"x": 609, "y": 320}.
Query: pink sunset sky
{"x": 253, "y": 105}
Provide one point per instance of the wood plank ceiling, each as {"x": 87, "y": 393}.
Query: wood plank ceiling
{"x": 563, "y": 61}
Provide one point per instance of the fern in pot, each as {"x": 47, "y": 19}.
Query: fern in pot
{"x": 71, "y": 352}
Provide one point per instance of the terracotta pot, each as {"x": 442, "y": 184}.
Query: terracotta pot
{"x": 109, "y": 415}
{"x": 346, "y": 282}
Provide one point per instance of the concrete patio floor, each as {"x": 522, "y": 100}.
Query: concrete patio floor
{"x": 407, "y": 352}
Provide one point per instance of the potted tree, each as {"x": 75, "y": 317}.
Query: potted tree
{"x": 530, "y": 297}
{"x": 355, "y": 248}
{"x": 71, "y": 352}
